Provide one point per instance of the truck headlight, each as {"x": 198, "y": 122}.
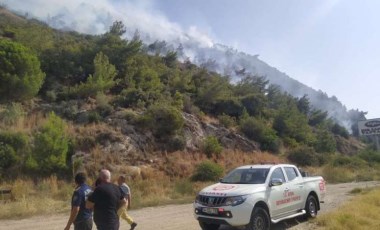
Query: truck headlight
{"x": 236, "y": 200}
{"x": 197, "y": 199}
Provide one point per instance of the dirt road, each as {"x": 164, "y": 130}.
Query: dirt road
{"x": 180, "y": 217}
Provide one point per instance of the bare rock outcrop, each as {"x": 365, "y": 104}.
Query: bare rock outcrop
{"x": 196, "y": 131}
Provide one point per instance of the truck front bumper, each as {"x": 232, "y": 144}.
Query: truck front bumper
{"x": 239, "y": 215}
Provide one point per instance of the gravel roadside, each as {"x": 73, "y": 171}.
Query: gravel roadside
{"x": 180, "y": 217}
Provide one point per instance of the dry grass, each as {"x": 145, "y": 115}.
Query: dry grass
{"x": 363, "y": 212}
{"x": 153, "y": 186}
{"x": 25, "y": 124}
{"x": 209, "y": 119}
{"x": 348, "y": 174}
{"x": 51, "y": 195}
{"x": 47, "y": 196}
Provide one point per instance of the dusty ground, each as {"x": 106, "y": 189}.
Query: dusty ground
{"x": 180, "y": 217}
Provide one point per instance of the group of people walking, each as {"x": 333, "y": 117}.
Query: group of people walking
{"x": 105, "y": 204}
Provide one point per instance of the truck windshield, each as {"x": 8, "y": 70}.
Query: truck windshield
{"x": 246, "y": 176}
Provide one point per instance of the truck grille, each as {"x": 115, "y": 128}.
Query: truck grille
{"x": 211, "y": 200}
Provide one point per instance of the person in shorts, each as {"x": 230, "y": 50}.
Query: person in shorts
{"x": 80, "y": 216}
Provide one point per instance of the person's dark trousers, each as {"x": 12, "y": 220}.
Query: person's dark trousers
{"x": 115, "y": 226}
{"x": 83, "y": 225}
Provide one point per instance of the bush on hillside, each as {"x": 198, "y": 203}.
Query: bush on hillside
{"x": 51, "y": 145}
{"x": 370, "y": 156}
{"x": 20, "y": 74}
{"x": 12, "y": 113}
{"x": 207, "y": 171}
{"x": 176, "y": 143}
{"x": 304, "y": 156}
{"x": 162, "y": 120}
{"x": 258, "y": 131}
{"x": 8, "y": 157}
{"x": 226, "y": 121}
{"x": 212, "y": 146}
{"x": 231, "y": 106}
{"x": 100, "y": 82}
{"x": 290, "y": 122}
{"x": 325, "y": 143}
{"x": 340, "y": 130}
{"x": 350, "y": 162}
{"x": 16, "y": 140}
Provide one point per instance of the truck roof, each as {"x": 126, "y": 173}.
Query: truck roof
{"x": 265, "y": 166}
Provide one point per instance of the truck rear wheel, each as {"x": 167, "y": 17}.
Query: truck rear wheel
{"x": 311, "y": 207}
{"x": 206, "y": 226}
{"x": 259, "y": 220}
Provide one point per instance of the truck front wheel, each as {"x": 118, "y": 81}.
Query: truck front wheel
{"x": 206, "y": 226}
{"x": 311, "y": 207}
{"x": 259, "y": 220}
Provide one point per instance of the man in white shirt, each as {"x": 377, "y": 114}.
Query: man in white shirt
{"x": 122, "y": 212}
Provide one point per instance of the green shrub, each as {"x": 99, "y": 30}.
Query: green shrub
{"x": 94, "y": 117}
{"x": 163, "y": 120}
{"x": 51, "y": 145}
{"x": 340, "y": 130}
{"x": 230, "y": 106}
{"x": 101, "y": 99}
{"x": 20, "y": 74}
{"x": 346, "y": 161}
{"x": 258, "y": 131}
{"x": 17, "y": 141}
{"x": 226, "y": 121}
{"x": 69, "y": 110}
{"x": 104, "y": 110}
{"x": 177, "y": 100}
{"x": 101, "y": 81}
{"x": 8, "y": 157}
{"x": 12, "y": 113}
{"x": 130, "y": 116}
{"x": 51, "y": 95}
{"x": 304, "y": 156}
{"x": 290, "y": 122}
{"x": 370, "y": 156}
{"x": 254, "y": 103}
{"x": 176, "y": 143}
{"x": 207, "y": 171}
{"x": 189, "y": 107}
{"x": 325, "y": 143}
{"x": 290, "y": 142}
{"x": 212, "y": 146}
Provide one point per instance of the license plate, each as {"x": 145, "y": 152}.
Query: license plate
{"x": 212, "y": 211}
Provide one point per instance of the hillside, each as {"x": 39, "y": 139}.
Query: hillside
{"x": 223, "y": 59}
{"x": 71, "y": 101}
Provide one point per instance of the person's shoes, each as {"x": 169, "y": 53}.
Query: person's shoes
{"x": 133, "y": 225}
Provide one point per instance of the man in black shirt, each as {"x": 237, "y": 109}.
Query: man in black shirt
{"x": 106, "y": 200}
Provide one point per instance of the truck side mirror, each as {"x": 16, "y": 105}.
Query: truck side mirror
{"x": 275, "y": 182}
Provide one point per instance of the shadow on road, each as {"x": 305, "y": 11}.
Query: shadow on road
{"x": 286, "y": 224}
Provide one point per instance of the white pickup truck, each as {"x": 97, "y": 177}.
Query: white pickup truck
{"x": 254, "y": 196}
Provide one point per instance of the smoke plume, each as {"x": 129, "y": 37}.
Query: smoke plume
{"x": 96, "y": 16}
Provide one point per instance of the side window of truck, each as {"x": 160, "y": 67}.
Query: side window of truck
{"x": 291, "y": 173}
{"x": 278, "y": 174}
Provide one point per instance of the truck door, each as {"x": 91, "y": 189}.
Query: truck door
{"x": 279, "y": 206}
{"x": 295, "y": 187}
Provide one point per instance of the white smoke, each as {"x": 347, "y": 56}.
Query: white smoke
{"x": 96, "y": 16}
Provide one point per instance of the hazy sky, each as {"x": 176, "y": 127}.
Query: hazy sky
{"x": 332, "y": 45}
